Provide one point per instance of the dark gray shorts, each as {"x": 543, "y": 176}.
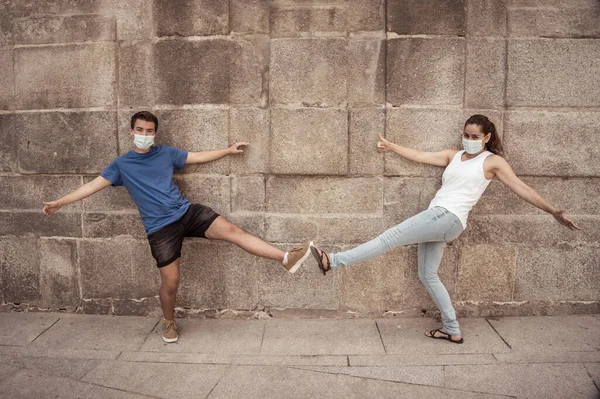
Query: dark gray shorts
{"x": 166, "y": 243}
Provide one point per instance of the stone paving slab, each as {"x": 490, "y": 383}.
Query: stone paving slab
{"x": 97, "y": 332}
{"x": 548, "y": 357}
{"x": 28, "y": 384}
{"x": 421, "y": 375}
{"x": 21, "y": 329}
{"x": 6, "y": 371}
{"x": 593, "y": 370}
{"x": 422, "y": 359}
{"x": 69, "y": 368}
{"x": 258, "y": 382}
{"x": 65, "y": 353}
{"x": 404, "y": 336}
{"x": 210, "y": 336}
{"x": 556, "y": 333}
{"x": 524, "y": 380}
{"x": 158, "y": 379}
{"x": 321, "y": 337}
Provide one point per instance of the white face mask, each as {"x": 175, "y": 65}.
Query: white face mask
{"x": 472, "y": 146}
{"x": 143, "y": 142}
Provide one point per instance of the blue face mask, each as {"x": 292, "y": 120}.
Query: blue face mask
{"x": 472, "y": 146}
{"x": 143, "y": 142}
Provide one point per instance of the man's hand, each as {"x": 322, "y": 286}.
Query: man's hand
{"x": 560, "y": 217}
{"x": 51, "y": 208}
{"x": 382, "y": 144}
{"x": 235, "y": 148}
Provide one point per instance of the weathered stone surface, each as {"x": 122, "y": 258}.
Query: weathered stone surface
{"x": 248, "y": 193}
{"x": 484, "y": 87}
{"x": 309, "y": 141}
{"x": 59, "y": 282}
{"x": 82, "y": 142}
{"x": 558, "y": 22}
{"x": 106, "y": 225}
{"x": 135, "y": 20}
{"x": 21, "y": 329}
{"x": 109, "y": 199}
{"x": 563, "y": 136}
{"x": 525, "y": 308}
{"x": 64, "y": 29}
{"x": 212, "y": 191}
{"x": 20, "y": 268}
{"x": 70, "y": 368}
{"x": 425, "y": 130}
{"x": 365, "y": 15}
{"x": 136, "y": 74}
{"x": 565, "y": 272}
{"x": 191, "y": 18}
{"x": 425, "y": 71}
{"x": 365, "y": 126}
{"x": 486, "y": 17}
{"x": 145, "y": 307}
{"x": 8, "y": 144}
{"x": 53, "y": 7}
{"x": 295, "y": 20}
{"x": 366, "y": 72}
{"x": 219, "y": 276}
{"x": 405, "y": 197}
{"x": 62, "y": 224}
{"x": 249, "y": 16}
{"x": 55, "y": 77}
{"x": 6, "y": 24}
{"x": 248, "y": 79}
{"x": 553, "y": 73}
{"x": 252, "y": 126}
{"x": 487, "y": 273}
{"x": 309, "y": 72}
{"x": 426, "y": 17}
{"x": 117, "y": 268}
{"x": 28, "y": 192}
{"x": 7, "y": 79}
{"x": 318, "y": 195}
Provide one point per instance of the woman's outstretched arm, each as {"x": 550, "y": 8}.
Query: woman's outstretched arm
{"x": 439, "y": 158}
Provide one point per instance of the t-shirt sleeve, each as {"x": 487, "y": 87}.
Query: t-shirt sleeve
{"x": 179, "y": 157}
{"x": 112, "y": 173}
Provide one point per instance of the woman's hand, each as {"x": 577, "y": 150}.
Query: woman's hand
{"x": 560, "y": 217}
{"x": 235, "y": 148}
{"x": 382, "y": 144}
{"x": 51, "y": 207}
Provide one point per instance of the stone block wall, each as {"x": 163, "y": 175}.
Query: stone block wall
{"x": 310, "y": 84}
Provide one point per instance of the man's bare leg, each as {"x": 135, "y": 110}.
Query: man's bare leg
{"x": 168, "y": 289}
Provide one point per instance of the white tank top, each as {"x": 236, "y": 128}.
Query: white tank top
{"x": 463, "y": 183}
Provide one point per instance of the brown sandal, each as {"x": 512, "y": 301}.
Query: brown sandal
{"x": 319, "y": 257}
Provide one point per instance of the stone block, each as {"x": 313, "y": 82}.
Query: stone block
{"x": 54, "y": 7}
{"x": 6, "y": 24}
{"x": 219, "y": 276}
{"x": 414, "y": 17}
{"x": 137, "y": 71}
{"x": 552, "y": 143}
{"x": 321, "y": 195}
{"x": 109, "y": 199}
{"x": 248, "y": 193}
{"x": 561, "y": 22}
{"x": 7, "y": 79}
{"x": 106, "y": 225}
{"x": 97, "y": 306}
{"x": 248, "y": 79}
{"x": 212, "y": 191}
{"x": 484, "y": 86}
{"x": 365, "y": 15}
{"x": 554, "y": 73}
{"x": 486, "y": 18}
{"x": 487, "y": 273}
{"x": 366, "y": 72}
{"x": 323, "y": 229}
{"x": 310, "y": 72}
{"x": 59, "y": 280}
{"x": 8, "y": 144}
{"x": 191, "y": 18}
{"x": 295, "y": 20}
{"x": 46, "y": 29}
{"x": 405, "y": 197}
{"x": 82, "y": 142}
{"x": 552, "y": 3}
{"x": 28, "y": 192}
{"x": 20, "y": 269}
{"x": 309, "y": 141}
{"x": 365, "y": 126}
{"x": 425, "y": 71}
{"x": 118, "y": 268}
{"x": 60, "y": 77}
{"x": 135, "y": 20}
{"x": 425, "y": 130}
{"x": 559, "y": 273}
{"x": 249, "y": 16}
{"x": 62, "y": 224}
{"x": 145, "y": 307}
{"x": 252, "y": 126}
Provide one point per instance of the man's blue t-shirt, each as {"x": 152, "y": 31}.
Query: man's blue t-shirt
{"x": 149, "y": 179}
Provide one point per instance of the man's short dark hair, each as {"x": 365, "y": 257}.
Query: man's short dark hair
{"x": 145, "y": 116}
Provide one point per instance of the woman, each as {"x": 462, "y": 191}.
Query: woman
{"x": 467, "y": 175}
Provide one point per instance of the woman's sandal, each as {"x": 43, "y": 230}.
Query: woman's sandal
{"x": 319, "y": 257}
{"x": 446, "y": 336}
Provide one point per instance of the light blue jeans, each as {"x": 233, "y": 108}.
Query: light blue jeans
{"x": 431, "y": 229}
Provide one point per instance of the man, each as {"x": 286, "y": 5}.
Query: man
{"x": 168, "y": 217}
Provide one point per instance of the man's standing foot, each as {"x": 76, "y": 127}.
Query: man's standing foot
{"x": 169, "y": 334}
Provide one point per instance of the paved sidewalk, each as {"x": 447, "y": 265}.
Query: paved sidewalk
{"x": 56, "y": 355}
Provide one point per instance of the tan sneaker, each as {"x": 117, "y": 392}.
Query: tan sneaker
{"x": 296, "y": 256}
{"x": 170, "y": 331}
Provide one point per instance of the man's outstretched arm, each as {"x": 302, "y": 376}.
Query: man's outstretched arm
{"x": 82, "y": 192}
{"x": 208, "y": 156}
